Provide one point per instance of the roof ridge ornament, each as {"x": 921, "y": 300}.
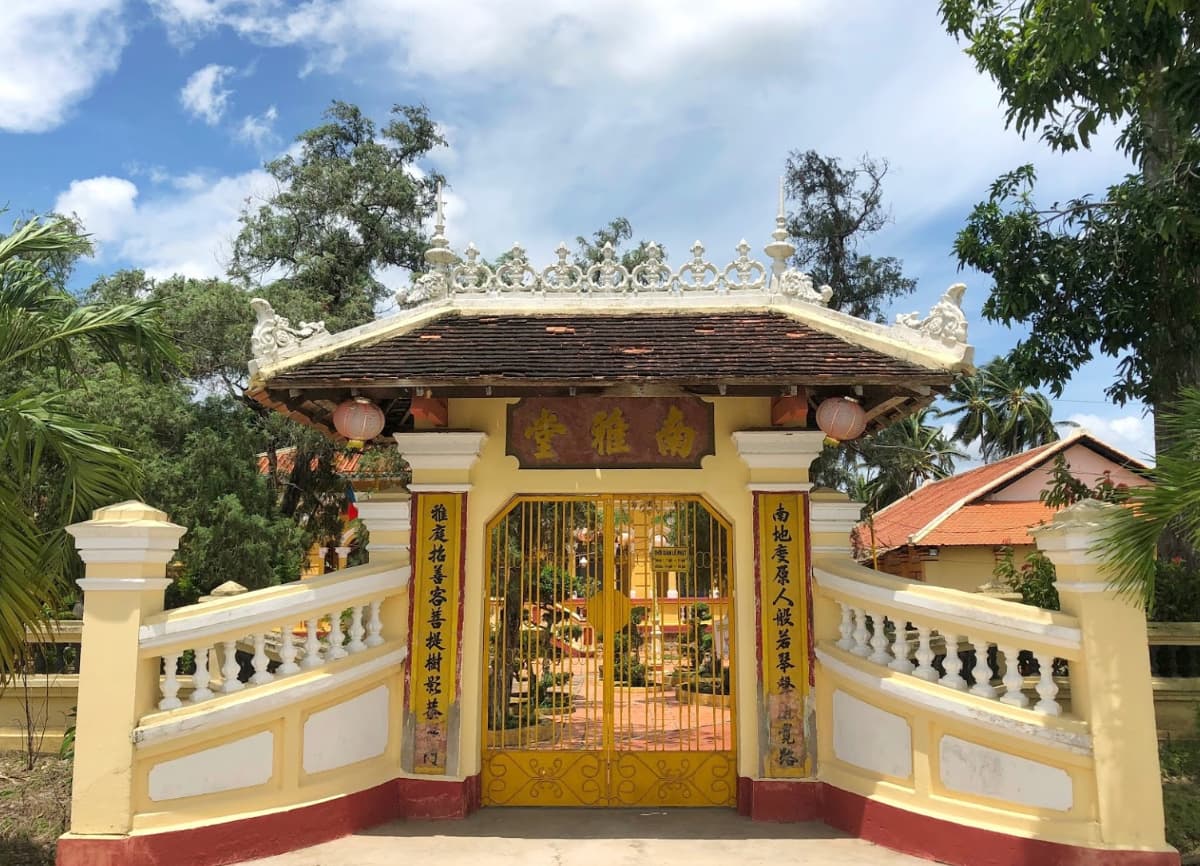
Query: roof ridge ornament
{"x": 946, "y": 321}
{"x": 274, "y": 334}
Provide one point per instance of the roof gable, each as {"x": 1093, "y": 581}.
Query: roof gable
{"x": 953, "y": 511}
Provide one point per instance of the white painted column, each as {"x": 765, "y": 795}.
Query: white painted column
{"x": 125, "y": 549}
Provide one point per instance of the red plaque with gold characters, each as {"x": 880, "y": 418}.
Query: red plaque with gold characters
{"x": 437, "y": 576}
{"x": 783, "y": 636}
{"x": 610, "y": 432}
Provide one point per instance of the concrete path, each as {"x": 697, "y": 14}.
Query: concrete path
{"x": 583, "y": 837}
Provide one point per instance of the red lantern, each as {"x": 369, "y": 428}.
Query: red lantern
{"x": 841, "y": 418}
{"x": 358, "y": 420}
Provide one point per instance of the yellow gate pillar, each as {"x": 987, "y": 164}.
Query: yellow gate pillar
{"x": 775, "y": 747}
{"x": 1110, "y": 686}
{"x": 441, "y": 754}
{"x": 125, "y": 549}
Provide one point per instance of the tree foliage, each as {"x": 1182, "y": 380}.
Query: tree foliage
{"x": 352, "y": 202}
{"x": 1116, "y": 273}
{"x": 902, "y": 457}
{"x": 838, "y": 208}
{"x": 55, "y": 466}
{"x": 992, "y": 407}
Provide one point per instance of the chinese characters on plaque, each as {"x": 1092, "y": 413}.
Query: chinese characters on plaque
{"x": 434, "y": 672}
{"x": 783, "y": 602}
{"x": 629, "y": 432}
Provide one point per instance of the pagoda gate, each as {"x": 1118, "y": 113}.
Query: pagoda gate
{"x": 609, "y": 583}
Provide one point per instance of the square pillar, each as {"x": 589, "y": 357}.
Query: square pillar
{"x": 1110, "y": 685}
{"x": 442, "y": 701}
{"x": 777, "y": 748}
{"x": 125, "y": 549}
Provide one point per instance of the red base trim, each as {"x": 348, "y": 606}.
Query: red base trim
{"x": 438, "y": 799}
{"x": 921, "y": 835}
{"x": 779, "y": 801}
{"x": 279, "y": 832}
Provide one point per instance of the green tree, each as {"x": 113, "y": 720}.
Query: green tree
{"x": 993, "y": 407}
{"x": 838, "y": 208}
{"x": 352, "y": 201}
{"x": 1115, "y": 273}
{"x": 904, "y": 456}
{"x": 618, "y": 232}
{"x": 1171, "y": 504}
{"x": 55, "y": 467}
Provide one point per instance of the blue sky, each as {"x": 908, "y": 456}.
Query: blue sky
{"x": 151, "y": 121}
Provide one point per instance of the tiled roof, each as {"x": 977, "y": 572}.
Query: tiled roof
{"x": 344, "y": 463}
{"x": 990, "y": 523}
{"x": 895, "y": 524}
{"x": 725, "y": 347}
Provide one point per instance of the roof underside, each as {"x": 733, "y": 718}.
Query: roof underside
{"x": 735, "y": 353}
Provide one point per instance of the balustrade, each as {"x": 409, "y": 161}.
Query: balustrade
{"x": 927, "y": 652}
{"x": 271, "y": 653}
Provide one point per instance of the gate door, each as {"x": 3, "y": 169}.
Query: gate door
{"x": 608, "y": 655}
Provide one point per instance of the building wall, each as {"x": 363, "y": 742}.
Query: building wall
{"x": 1086, "y": 465}
{"x": 967, "y": 568}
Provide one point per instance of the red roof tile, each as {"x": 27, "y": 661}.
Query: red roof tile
{"x": 344, "y": 463}
{"x": 990, "y": 523}
{"x": 896, "y": 523}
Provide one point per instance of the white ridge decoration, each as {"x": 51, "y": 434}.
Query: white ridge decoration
{"x": 274, "y": 334}
{"x": 945, "y": 321}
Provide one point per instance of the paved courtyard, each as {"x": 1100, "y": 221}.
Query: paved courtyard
{"x": 583, "y": 837}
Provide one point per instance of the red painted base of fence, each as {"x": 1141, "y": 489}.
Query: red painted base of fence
{"x": 921, "y": 835}
{"x": 265, "y": 835}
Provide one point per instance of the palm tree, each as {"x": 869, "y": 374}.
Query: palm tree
{"x": 905, "y": 456}
{"x": 992, "y": 406}
{"x": 54, "y": 468}
{"x": 1161, "y": 520}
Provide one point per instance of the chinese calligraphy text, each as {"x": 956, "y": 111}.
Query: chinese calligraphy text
{"x": 782, "y": 588}
{"x": 618, "y": 432}
{"x": 436, "y": 580}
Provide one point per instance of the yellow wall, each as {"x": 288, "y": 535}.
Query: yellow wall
{"x": 722, "y": 481}
{"x": 967, "y": 568}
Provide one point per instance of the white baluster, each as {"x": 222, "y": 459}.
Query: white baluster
{"x": 231, "y": 668}
{"x": 900, "y": 660}
{"x": 982, "y": 670}
{"x": 1013, "y": 681}
{"x": 357, "y": 631}
{"x": 287, "y": 652}
{"x": 1047, "y": 689}
{"x": 337, "y": 637}
{"x": 953, "y": 664}
{"x": 861, "y": 647}
{"x": 201, "y": 678}
{"x": 312, "y": 645}
{"x": 925, "y": 669}
{"x": 846, "y": 627}
{"x": 879, "y": 641}
{"x": 374, "y": 625}
{"x": 170, "y": 686}
{"x": 260, "y": 660}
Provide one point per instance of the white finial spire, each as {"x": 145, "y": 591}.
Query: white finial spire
{"x": 439, "y": 252}
{"x": 780, "y": 249}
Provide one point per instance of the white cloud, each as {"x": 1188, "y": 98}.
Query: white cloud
{"x": 182, "y": 227}
{"x": 259, "y": 129}
{"x": 1133, "y": 434}
{"x": 203, "y": 95}
{"x": 54, "y": 52}
{"x": 104, "y": 204}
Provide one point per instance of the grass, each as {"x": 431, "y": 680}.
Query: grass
{"x": 34, "y": 808}
{"x": 1180, "y": 761}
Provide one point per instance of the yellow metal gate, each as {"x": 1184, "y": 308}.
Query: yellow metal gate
{"x": 608, "y": 659}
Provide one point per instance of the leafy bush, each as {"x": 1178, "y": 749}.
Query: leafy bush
{"x": 1034, "y": 579}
